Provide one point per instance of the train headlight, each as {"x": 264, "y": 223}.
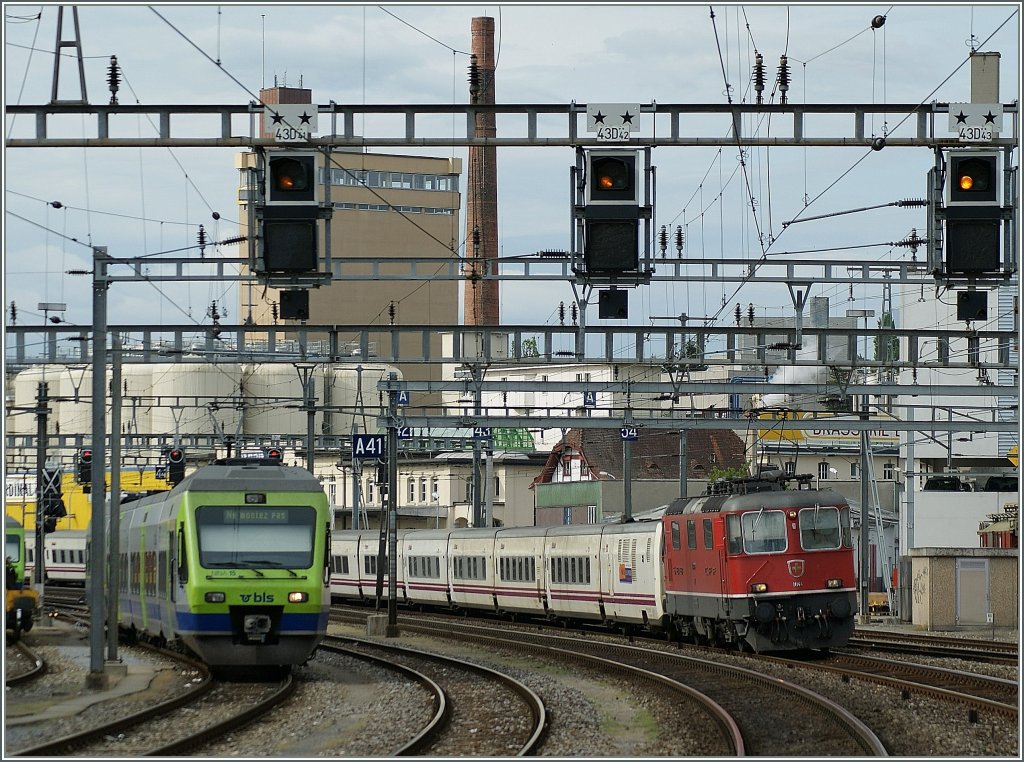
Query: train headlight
{"x": 215, "y": 597}
{"x": 833, "y": 584}
{"x": 759, "y": 587}
{"x": 298, "y": 597}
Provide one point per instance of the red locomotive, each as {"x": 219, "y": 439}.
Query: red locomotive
{"x": 760, "y": 565}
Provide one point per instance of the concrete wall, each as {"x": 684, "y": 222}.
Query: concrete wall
{"x": 934, "y": 583}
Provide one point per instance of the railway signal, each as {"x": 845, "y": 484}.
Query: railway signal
{"x": 52, "y": 499}
{"x": 973, "y": 213}
{"x": 289, "y": 235}
{"x": 85, "y": 465}
{"x": 611, "y": 231}
{"x": 175, "y": 465}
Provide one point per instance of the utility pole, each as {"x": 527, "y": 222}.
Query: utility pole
{"x": 392, "y": 628}
{"x": 98, "y": 536}
{"x": 115, "y": 501}
{"x": 42, "y": 411}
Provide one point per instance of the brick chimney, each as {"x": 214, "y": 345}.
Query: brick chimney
{"x": 481, "y": 296}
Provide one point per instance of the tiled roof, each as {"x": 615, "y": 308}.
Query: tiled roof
{"x": 655, "y": 454}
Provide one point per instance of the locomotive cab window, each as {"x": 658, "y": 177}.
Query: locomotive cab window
{"x": 821, "y": 528}
{"x": 249, "y": 537}
{"x": 764, "y": 531}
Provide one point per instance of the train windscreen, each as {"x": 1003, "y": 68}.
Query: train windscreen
{"x": 243, "y": 537}
{"x": 12, "y": 547}
{"x": 764, "y": 531}
{"x": 820, "y": 528}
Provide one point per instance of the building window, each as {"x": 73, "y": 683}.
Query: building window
{"x": 434, "y": 494}
{"x": 790, "y": 467}
{"x": 423, "y": 489}
{"x": 566, "y": 468}
{"x": 823, "y": 470}
{"x": 497, "y": 486}
{"x": 853, "y": 469}
{"x": 591, "y": 514}
{"x": 369, "y": 490}
{"x": 411, "y": 493}
{"x": 469, "y": 490}
{"x": 567, "y": 515}
{"x": 889, "y": 471}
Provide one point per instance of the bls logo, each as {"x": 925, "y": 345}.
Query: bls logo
{"x": 257, "y": 597}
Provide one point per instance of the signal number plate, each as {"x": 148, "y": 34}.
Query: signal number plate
{"x": 975, "y": 134}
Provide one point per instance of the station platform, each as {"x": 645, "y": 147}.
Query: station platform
{"x": 78, "y": 688}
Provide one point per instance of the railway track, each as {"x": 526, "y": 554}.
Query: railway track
{"x": 22, "y": 665}
{"x": 466, "y": 697}
{"x": 748, "y": 713}
{"x": 975, "y": 692}
{"x": 173, "y": 727}
{"x": 988, "y": 651}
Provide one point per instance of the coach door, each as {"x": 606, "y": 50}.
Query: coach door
{"x": 972, "y": 603}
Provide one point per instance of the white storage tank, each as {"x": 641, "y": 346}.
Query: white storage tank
{"x": 26, "y": 391}
{"x": 177, "y": 387}
{"x": 274, "y": 397}
{"x": 75, "y": 387}
{"x": 137, "y": 403}
{"x": 267, "y": 387}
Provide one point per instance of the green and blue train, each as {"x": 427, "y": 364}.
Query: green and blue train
{"x": 232, "y": 564}
{"x": 22, "y": 602}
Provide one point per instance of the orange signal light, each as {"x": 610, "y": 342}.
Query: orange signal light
{"x": 966, "y": 182}
{"x": 605, "y": 182}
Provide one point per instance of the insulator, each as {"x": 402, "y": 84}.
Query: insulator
{"x": 759, "y": 76}
{"x": 878, "y": 22}
{"x": 663, "y": 240}
{"x": 912, "y": 202}
{"x": 201, "y": 238}
{"x": 391, "y": 312}
{"x": 783, "y": 78}
{"x": 739, "y": 313}
{"x": 680, "y": 238}
{"x": 750, "y": 313}
{"x": 14, "y": 313}
{"x": 561, "y": 313}
{"x": 572, "y": 312}
{"x": 273, "y": 311}
{"x": 113, "y": 79}
{"x": 474, "y": 77}
{"x": 476, "y": 242}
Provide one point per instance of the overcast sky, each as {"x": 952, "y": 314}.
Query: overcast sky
{"x": 145, "y": 201}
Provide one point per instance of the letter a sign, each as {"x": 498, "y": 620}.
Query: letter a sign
{"x": 367, "y": 445}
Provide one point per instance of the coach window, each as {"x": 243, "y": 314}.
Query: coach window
{"x": 819, "y": 528}
{"x": 676, "y": 542}
{"x": 709, "y": 537}
{"x": 691, "y": 535}
{"x": 764, "y": 531}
